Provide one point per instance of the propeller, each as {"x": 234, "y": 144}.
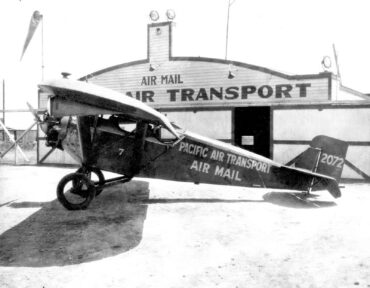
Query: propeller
{"x": 43, "y": 123}
{"x": 49, "y": 125}
{"x": 34, "y": 113}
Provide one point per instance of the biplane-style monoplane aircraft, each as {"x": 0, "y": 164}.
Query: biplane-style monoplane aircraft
{"x": 105, "y": 130}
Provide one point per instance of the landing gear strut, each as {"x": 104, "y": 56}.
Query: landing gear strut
{"x": 75, "y": 191}
{"x": 92, "y": 173}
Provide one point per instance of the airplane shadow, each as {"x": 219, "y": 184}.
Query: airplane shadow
{"x": 284, "y": 199}
{"x": 113, "y": 224}
{"x": 54, "y": 236}
{"x": 296, "y": 200}
{"x": 196, "y": 200}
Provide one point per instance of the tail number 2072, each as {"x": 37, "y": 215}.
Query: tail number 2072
{"x": 332, "y": 160}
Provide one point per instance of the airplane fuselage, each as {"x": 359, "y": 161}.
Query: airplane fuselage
{"x": 192, "y": 158}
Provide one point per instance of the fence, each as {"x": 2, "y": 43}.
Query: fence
{"x": 18, "y": 146}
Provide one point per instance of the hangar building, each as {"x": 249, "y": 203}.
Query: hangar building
{"x": 265, "y": 111}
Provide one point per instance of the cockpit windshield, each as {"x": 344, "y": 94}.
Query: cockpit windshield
{"x": 123, "y": 125}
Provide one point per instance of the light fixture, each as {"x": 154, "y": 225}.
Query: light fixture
{"x": 65, "y": 75}
{"x": 154, "y": 66}
{"x": 232, "y": 71}
{"x": 154, "y": 16}
{"x": 170, "y": 14}
{"x": 326, "y": 63}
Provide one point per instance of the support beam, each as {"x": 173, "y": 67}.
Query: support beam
{"x": 13, "y": 141}
{"x": 357, "y": 170}
{"x": 2, "y": 154}
{"x": 46, "y": 155}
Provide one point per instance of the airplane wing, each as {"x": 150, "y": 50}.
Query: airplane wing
{"x": 77, "y": 98}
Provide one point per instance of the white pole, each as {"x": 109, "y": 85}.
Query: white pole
{"x": 42, "y": 48}
{"x": 337, "y": 64}
{"x": 227, "y": 26}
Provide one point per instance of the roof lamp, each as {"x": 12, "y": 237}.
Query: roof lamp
{"x": 170, "y": 14}
{"x": 154, "y": 15}
{"x": 326, "y": 62}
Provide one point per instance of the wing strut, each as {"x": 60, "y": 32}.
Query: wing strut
{"x": 84, "y": 132}
{"x": 141, "y": 130}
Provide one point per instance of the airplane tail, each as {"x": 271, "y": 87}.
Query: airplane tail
{"x": 326, "y": 155}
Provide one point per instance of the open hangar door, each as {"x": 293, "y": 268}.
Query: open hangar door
{"x": 252, "y": 129}
{"x": 295, "y": 127}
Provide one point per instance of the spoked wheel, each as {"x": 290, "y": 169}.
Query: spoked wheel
{"x": 75, "y": 191}
{"x": 95, "y": 175}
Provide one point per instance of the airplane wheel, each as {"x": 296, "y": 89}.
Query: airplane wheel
{"x": 75, "y": 191}
{"x": 95, "y": 175}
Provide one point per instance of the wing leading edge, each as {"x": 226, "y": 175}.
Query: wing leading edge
{"x": 71, "y": 97}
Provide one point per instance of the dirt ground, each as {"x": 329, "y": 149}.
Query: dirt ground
{"x": 153, "y": 233}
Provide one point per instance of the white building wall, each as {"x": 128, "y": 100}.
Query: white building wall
{"x": 159, "y": 43}
{"x": 213, "y": 124}
{"x": 348, "y": 124}
{"x": 303, "y": 124}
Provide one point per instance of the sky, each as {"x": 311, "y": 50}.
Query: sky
{"x": 81, "y": 37}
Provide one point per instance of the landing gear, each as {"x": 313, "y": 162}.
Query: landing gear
{"x": 75, "y": 191}
{"x": 95, "y": 175}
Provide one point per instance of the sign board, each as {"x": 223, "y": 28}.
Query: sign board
{"x": 207, "y": 86}
{"x": 247, "y": 140}
{"x": 164, "y": 81}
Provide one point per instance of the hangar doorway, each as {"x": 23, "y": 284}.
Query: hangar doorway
{"x": 252, "y": 129}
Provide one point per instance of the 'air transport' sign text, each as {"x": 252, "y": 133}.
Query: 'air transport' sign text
{"x": 173, "y": 89}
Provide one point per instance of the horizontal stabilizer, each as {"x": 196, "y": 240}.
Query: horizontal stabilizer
{"x": 333, "y": 189}
{"x": 324, "y": 160}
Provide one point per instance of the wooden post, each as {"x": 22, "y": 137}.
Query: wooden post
{"x": 16, "y": 146}
{"x": 4, "y": 108}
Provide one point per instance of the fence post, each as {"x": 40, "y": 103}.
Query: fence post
{"x": 15, "y": 148}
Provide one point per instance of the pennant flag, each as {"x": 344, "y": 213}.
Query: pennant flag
{"x": 35, "y": 20}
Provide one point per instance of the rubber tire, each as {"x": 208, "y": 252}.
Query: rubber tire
{"x": 74, "y": 177}
{"x": 98, "y": 173}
